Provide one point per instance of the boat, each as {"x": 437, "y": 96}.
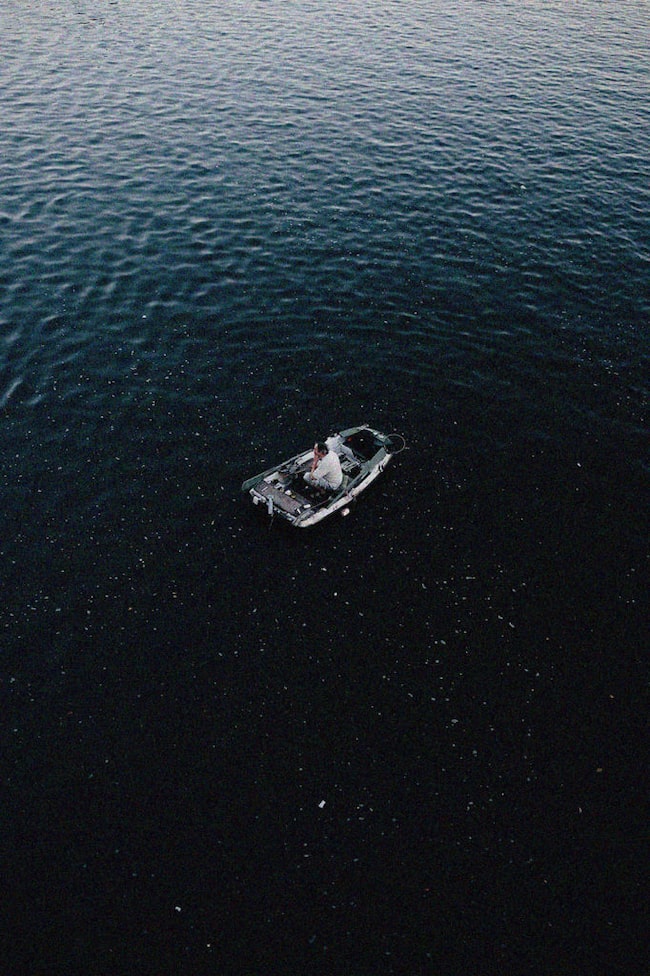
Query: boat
{"x": 363, "y": 452}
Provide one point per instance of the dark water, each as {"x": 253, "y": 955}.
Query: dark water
{"x": 409, "y": 741}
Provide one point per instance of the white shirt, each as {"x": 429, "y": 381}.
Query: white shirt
{"x": 329, "y": 469}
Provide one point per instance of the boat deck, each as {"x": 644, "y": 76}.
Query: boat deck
{"x": 288, "y": 503}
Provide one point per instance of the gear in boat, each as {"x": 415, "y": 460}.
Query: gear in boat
{"x": 363, "y": 453}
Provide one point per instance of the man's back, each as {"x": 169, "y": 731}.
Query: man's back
{"x": 329, "y": 470}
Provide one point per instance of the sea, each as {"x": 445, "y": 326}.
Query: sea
{"x": 409, "y": 741}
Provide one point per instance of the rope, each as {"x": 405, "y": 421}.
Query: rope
{"x": 403, "y": 440}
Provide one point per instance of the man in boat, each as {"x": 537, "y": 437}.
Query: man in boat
{"x": 325, "y": 469}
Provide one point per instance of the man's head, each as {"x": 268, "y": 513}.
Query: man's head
{"x": 322, "y": 448}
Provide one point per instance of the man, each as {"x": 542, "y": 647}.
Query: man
{"x": 325, "y": 469}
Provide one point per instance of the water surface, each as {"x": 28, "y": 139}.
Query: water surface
{"x": 407, "y": 740}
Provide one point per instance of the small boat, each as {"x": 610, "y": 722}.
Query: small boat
{"x": 363, "y": 453}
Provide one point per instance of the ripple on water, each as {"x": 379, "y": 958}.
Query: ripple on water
{"x": 444, "y": 207}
